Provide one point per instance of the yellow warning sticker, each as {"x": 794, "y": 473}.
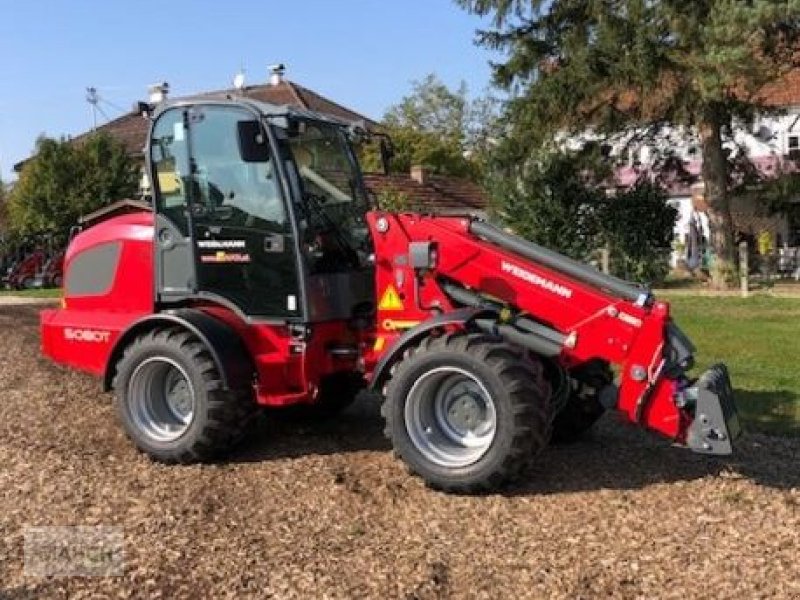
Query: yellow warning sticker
{"x": 390, "y": 299}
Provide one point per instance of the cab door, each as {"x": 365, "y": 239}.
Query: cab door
{"x": 242, "y": 244}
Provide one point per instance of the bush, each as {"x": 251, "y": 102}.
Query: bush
{"x": 638, "y": 227}
{"x": 67, "y": 179}
{"x": 560, "y": 201}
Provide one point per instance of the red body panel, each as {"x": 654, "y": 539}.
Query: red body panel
{"x": 602, "y": 326}
{"x": 82, "y": 334}
{"x": 289, "y": 370}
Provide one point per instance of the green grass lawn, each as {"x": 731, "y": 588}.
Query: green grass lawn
{"x": 759, "y": 339}
{"x": 44, "y": 293}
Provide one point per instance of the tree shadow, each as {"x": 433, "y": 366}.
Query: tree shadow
{"x": 774, "y": 411}
{"x": 614, "y": 455}
{"x": 620, "y": 456}
{"x": 280, "y": 434}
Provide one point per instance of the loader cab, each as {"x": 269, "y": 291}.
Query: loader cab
{"x": 258, "y": 208}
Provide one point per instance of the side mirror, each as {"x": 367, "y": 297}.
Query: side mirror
{"x": 253, "y": 143}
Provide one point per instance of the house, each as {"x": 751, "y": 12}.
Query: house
{"x": 125, "y": 206}
{"x": 425, "y": 190}
{"x": 428, "y": 192}
{"x": 771, "y": 143}
{"x": 131, "y": 128}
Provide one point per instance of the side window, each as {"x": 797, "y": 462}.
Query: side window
{"x": 228, "y": 188}
{"x": 169, "y": 160}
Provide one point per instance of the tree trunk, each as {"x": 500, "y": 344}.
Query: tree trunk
{"x": 715, "y": 177}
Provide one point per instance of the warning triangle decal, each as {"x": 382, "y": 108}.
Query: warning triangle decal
{"x": 390, "y": 299}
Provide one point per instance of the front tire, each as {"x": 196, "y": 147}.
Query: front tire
{"x": 467, "y": 412}
{"x": 583, "y": 407}
{"x": 170, "y": 400}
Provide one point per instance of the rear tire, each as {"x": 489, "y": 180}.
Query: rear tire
{"x": 583, "y": 408}
{"x": 466, "y": 412}
{"x": 170, "y": 400}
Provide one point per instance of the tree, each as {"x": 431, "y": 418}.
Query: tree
{"x": 436, "y": 127}
{"x": 611, "y": 65}
{"x": 552, "y": 201}
{"x": 637, "y": 227}
{"x": 68, "y": 179}
{"x": 3, "y": 208}
{"x": 559, "y": 201}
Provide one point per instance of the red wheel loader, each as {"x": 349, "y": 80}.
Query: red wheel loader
{"x": 263, "y": 278}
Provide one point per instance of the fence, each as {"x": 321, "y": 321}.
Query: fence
{"x": 755, "y": 268}
{"x": 632, "y": 270}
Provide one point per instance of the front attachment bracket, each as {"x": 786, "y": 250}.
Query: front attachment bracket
{"x": 716, "y": 421}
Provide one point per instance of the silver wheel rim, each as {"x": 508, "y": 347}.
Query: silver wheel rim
{"x": 161, "y": 399}
{"x": 450, "y": 417}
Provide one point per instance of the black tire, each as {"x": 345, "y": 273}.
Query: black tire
{"x": 583, "y": 408}
{"x": 219, "y": 417}
{"x": 514, "y": 384}
{"x": 337, "y": 392}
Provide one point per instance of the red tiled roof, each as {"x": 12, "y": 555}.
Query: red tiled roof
{"x": 437, "y": 193}
{"x": 784, "y": 92}
{"x": 120, "y": 207}
{"x": 131, "y": 129}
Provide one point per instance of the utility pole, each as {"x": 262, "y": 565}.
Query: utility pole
{"x": 93, "y": 98}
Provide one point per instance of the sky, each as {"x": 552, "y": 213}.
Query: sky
{"x": 361, "y": 53}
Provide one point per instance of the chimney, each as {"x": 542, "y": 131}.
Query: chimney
{"x": 276, "y": 74}
{"x": 419, "y": 174}
{"x": 158, "y": 92}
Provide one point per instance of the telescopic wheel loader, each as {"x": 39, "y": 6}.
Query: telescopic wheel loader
{"x": 263, "y": 277}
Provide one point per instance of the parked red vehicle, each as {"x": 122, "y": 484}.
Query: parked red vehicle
{"x": 52, "y": 274}
{"x": 23, "y": 275}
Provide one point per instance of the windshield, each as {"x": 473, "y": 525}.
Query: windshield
{"x": 333, "y": 200}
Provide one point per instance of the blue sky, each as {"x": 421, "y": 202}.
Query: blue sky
{"x": 361, "y": 53}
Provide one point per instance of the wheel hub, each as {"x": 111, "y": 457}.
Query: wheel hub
{"x": 179, "y": 396}
{"x": 450, "y": 417}
{"x": 466, "y": 411}
{"x": 161, "y": 399}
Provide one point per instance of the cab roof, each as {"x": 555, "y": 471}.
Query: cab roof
{"x": 264, "y": 108}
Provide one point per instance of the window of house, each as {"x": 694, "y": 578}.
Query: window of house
{"x": 793, "y": 142}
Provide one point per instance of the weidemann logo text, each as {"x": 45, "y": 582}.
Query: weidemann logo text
{"x": 525, "y": 275}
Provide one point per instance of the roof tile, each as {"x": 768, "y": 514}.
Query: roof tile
{"x": 438, "y": 193}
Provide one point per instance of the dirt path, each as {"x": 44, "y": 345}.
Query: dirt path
{"x": 324, "y": 511}
{"x": 21, "y": 300}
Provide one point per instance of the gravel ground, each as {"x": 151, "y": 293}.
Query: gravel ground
{"x": 324, "y": 511}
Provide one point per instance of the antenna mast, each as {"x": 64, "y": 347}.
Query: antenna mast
{"x": 92, "y": 97}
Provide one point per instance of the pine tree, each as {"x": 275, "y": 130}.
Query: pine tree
{"x": 616, "y": 65}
